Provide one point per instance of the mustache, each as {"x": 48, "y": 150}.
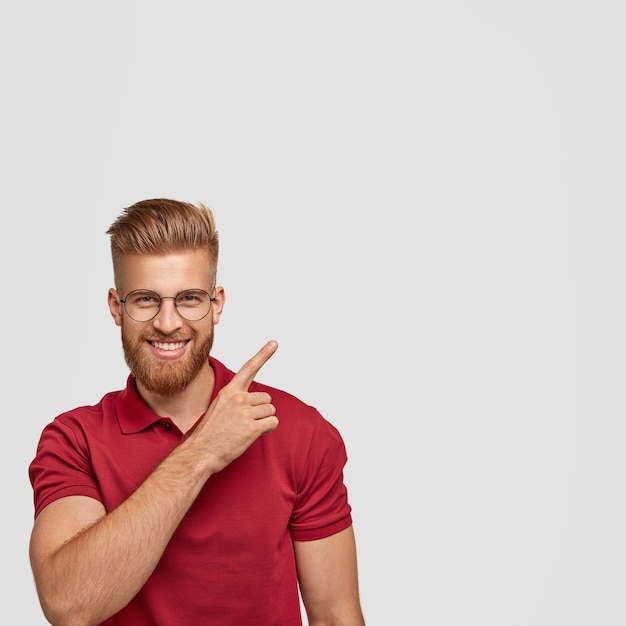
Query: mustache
{"x": 157, "y": 336}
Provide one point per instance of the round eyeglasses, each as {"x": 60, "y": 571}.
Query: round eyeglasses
{"x": 143, "y": 305}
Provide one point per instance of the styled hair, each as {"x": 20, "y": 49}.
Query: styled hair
{"x": 163, "y": 226}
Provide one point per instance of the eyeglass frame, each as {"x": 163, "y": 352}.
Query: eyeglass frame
{"x": 161, "y": 298}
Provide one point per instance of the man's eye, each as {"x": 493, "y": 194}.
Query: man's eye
{"x": 144, "y": 299}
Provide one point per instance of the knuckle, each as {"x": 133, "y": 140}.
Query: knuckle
{"x": 240, "y": 399}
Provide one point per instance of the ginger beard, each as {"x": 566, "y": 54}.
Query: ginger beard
{"x": 166, "y": 378}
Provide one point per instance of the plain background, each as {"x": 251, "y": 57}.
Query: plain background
{"x": 423, "y": 202}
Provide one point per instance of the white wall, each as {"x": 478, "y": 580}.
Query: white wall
{"x": 421, "y": 201}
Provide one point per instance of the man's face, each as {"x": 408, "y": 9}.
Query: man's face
{"x": 166, "y": 353}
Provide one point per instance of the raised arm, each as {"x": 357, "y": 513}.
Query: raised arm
{"x": 88, "y": 565}
{"x": 328, "y": 578}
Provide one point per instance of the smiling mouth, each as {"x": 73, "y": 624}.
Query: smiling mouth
{"x": 168, "y": 346}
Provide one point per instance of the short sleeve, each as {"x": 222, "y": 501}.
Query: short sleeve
{"x": 321, "y": 508}
{"x": 61, "y": 466}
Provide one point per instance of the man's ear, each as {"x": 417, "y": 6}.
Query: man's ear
{"x": 115, "y": 306}
{"x": 218, "y": 304}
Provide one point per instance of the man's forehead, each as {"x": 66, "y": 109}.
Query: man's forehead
{"x": 165, "y": 270}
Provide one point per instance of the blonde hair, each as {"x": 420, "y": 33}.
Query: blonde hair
{"x": 162, "y": 226}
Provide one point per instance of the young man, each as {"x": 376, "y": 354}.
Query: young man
{"x": 195, "y": 495}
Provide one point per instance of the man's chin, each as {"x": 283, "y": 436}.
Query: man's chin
{"x": 167, "y": 389}
{"x": 165, "y": 378}
{"x": 168, "y": 380}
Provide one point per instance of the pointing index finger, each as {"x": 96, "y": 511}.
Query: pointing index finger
{"x": 251, "y": 367}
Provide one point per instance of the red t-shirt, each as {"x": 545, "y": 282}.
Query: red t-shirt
{"x": 231, "y": 559}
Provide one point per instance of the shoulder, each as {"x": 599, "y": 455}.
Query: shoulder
{"x": 84, "y": 418}
{"x": 223, "y": 376}
{"x": 290, "y": 409}
{"x": 301, "y": 421}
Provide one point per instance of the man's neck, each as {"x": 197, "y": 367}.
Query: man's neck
{"x": 186, "y": 407}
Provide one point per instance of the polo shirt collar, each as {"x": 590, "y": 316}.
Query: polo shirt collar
{"x": 133, "y": 413}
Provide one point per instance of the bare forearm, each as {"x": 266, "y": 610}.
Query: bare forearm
{"x": 95, "y": 574}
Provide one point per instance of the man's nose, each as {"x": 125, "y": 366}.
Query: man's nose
{"x": 167, "y": 320}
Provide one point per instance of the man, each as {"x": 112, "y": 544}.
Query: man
{"x": 195, "y": 495}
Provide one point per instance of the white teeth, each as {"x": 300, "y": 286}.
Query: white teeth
{"x": 168, "y": 346}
